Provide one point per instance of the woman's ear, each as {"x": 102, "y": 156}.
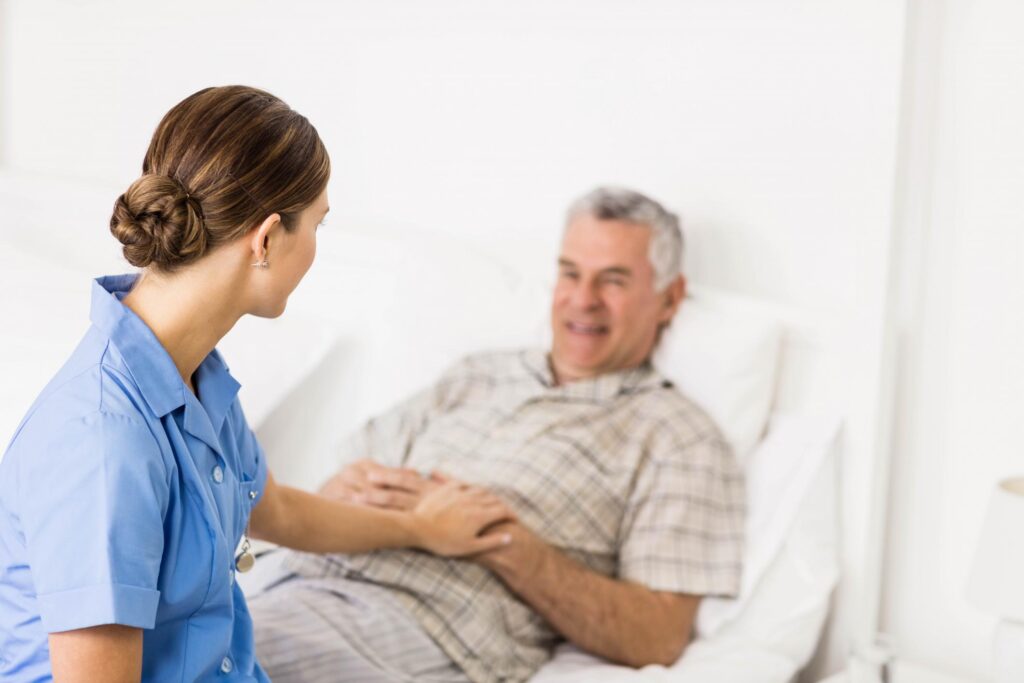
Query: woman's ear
{"x": 260, "y": 242}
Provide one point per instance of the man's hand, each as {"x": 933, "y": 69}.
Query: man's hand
{"x": 365, "y": 482}
{"x": 523, "y": 554}
{"x": 451, "y": 518}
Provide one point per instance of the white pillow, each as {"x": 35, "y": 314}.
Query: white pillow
{"x": 416, "y": 300}
{"x": 778, "y": 474}
{"x": 45, "y": 311}
{"x": 769, "y": 633}
{"x": 723, "y": 353}
{"x": 410, "y": 303}
{"x": 270, "y": 358}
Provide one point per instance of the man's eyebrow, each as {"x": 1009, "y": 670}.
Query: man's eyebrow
{"x": 610, "y": 270}
{"x": 617, "y": 270}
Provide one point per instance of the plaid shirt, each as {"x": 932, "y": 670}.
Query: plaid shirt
{"x": 620, "y": 472}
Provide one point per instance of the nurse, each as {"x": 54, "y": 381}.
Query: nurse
{"x": 129, "y": 485}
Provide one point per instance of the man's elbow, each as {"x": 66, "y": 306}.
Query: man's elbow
{"x": 662, "y": 651}
{"x": 672, "y": 629}
{"x": 671, "y": 650}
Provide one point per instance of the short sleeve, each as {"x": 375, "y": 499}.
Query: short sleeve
{"x": 93, "y": 496}
{"x": 683, "y": 528}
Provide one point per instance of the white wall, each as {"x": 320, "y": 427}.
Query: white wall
{"x": 961, "y": 403}
{"x": 772, "y": 126}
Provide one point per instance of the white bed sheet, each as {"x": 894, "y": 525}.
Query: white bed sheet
{"x": 768, "y": 642}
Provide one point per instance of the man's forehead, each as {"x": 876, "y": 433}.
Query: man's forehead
{"x": 604, "y": 243}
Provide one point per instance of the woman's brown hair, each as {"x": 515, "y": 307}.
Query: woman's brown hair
{"x": 220, "y": 162}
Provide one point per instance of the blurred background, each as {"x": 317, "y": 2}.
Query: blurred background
{"x": 858, "y": 160}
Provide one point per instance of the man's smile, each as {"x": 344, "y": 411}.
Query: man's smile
{"x": 585, "y": 328}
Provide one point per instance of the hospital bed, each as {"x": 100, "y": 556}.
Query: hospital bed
{"x": 385, "y": 309}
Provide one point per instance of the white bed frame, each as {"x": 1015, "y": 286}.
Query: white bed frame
{"x": 825, "y": 368}
{"x": 822, "y": 371}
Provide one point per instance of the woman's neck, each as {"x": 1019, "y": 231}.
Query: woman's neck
{"x": 189, "y": 313}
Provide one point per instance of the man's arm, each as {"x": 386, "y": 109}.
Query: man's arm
{"x": 621, "y": 621}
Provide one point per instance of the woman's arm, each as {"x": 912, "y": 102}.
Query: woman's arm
{"x": 447, "y": 521}
{"x": 98, "y": 653}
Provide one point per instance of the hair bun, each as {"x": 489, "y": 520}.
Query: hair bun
{"x": 158, "y": 223}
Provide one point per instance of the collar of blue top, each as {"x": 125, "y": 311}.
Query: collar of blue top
{"x": 153, "y": 369}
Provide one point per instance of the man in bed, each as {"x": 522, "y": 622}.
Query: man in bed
{"x": 629, "y": 503}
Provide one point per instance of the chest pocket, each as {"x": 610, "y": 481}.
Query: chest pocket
{"x": 248, "y": 493}
{"x": 243, "y": 457}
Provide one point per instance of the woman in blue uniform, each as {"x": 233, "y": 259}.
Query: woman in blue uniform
{"x": 130, "y": 483}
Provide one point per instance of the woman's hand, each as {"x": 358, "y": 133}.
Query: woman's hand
{"x": 448, "y": 520}
{"x": 365, "y": 482}
{"x": 452, "y": 518}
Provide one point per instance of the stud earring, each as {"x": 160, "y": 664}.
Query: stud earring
{"x": 261, "y": 264}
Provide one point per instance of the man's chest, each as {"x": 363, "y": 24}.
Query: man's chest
{"x": 566, "y": 468}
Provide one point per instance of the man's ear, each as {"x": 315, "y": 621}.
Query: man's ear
{"x": 261, "y": 236}
{"x": 672, "y": 297}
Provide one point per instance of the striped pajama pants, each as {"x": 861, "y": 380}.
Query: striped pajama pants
{"x": 337, "y": 629}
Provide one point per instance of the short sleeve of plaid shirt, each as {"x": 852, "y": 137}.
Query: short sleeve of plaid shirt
{"x": 683, "y": 527}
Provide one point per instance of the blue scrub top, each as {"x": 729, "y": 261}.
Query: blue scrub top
{"x": 122, "y": 500}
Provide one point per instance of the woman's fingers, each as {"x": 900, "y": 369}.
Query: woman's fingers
{"x": 351, "y": 476}
{"x": 498, "y": 507}
{"x": 401, "y": 478}
{"x": 492, "y": 513}
{"x": 352, "y": 485}
{"x": 335, "y": 487}
{"x": 491, "y": 541}
{"x": 473, "y": 495}
{"x": 389, "y": 498}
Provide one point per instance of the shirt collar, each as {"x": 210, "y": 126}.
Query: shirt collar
{"x": 152, "y": 367}
{"x": 597, "y": 389}
{"x": 217, "y": 391}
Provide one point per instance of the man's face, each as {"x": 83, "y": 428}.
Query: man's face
{"x": 605, "y": 313}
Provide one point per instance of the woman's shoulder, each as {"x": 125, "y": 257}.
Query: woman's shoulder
{"x": 92, "y": 391}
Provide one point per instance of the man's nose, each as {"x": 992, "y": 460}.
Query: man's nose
{"x": 585, "y": 296}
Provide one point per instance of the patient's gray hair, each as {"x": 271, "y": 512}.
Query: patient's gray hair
{"x": 621, "y": 204}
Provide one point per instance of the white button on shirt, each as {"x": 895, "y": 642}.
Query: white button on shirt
{"x": 218, "y": 474}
